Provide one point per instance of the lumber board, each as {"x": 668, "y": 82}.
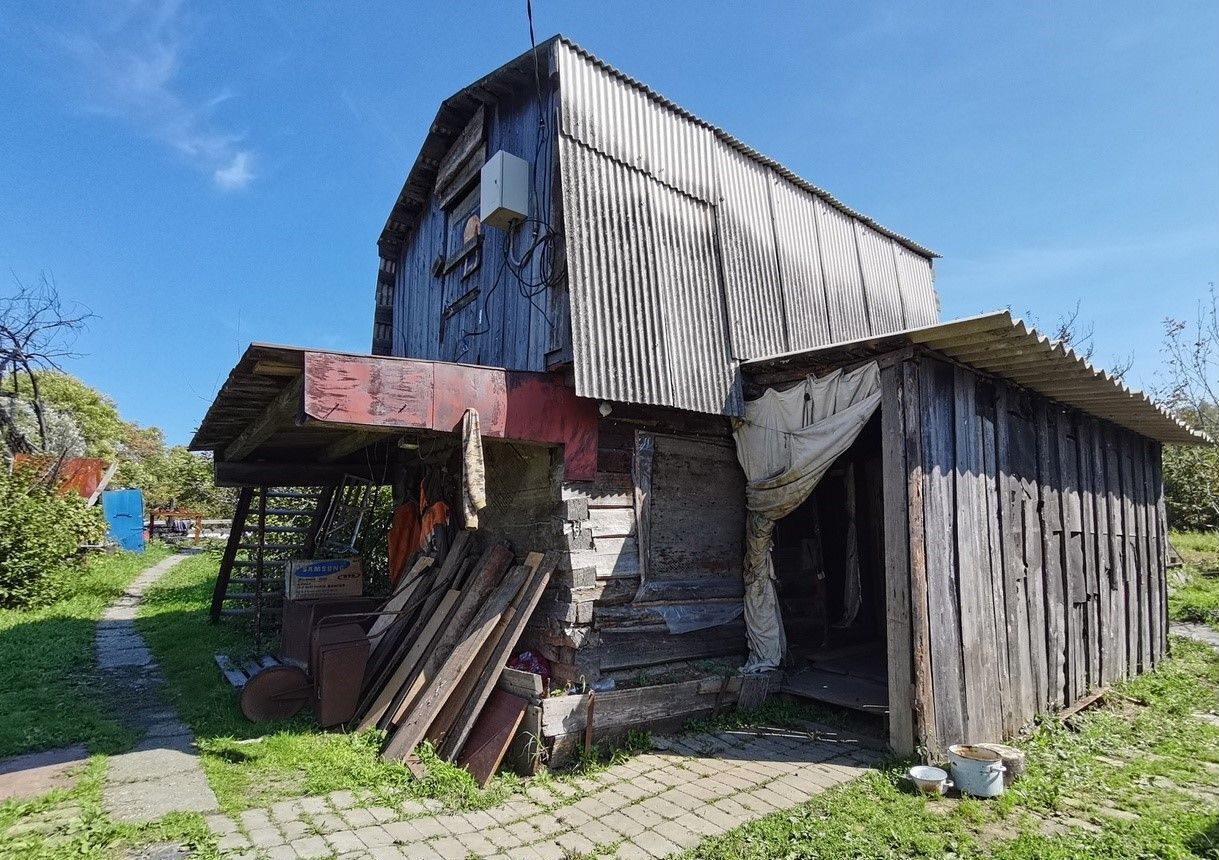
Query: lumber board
{"x": 1117, "y": 562}
{"x": 936, "y": 409}
{"x": 520, "y": 683}
{"x": 1141, "y": 550}
{"x": 566, "y": 714}
{"x": 920, "y": 631}
{"x": 1130, "y": 567}
{"x": 410, "y": 660}
{"x": 492, "y": 734}
{"x": 988, "y": 419}
{"x": 1024, "y": 450}
{"x": 982, "y": 706}
{"x": 422, "y": 712}
{"x": 502, "y": 642}
{"x": 897, "y": 561}
{"x": 1157, "y": 472}
{"x": 483, "y": 583}
{"x": 642, "y": 458}
{"x": 1075, "y": 595}
{"x": 1007, "y": 564}
{"x": 525, "y": 754}
{"x": 1093, "y": 499}
{"x": 398, "y": 601}
{"x": 1104, "y": 556}
{"x": 472, "y": 675}
{"x": 1052, "y": 552}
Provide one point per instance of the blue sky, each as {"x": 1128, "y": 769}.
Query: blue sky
{"x": 203, "y": 175}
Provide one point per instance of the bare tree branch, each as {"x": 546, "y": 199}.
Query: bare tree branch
{"x": 37, "y": 332}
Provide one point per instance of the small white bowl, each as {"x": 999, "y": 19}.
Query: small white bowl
{"x": 930, "y": 780}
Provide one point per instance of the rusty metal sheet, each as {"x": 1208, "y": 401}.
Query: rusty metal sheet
{"x": 368, "y": 390}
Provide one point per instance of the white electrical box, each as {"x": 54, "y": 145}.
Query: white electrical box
{"x": 504, "y": 186}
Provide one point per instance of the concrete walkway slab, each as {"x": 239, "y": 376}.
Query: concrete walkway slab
{"x": 162, "y": 773}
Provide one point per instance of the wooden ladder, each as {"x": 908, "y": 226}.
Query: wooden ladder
{"x": 271, "y": 526}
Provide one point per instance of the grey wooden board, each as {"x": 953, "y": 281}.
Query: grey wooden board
{"x": 239, "y": 674}
{"x": 897, "y": 561}
{"x": 846, "y": 691}
{"x": 1116, "y": 640}
{"x": 936, "y": 399}
{"x": 982, "y": 699}
{"x": 988, "y": 417}
{"x": 696, "y": 523}
{"x": 1052, "y": 554}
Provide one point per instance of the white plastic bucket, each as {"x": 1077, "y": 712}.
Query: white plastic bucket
{"x": 976, "y": 771}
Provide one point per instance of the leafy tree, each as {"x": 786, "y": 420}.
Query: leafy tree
{"x": 1191, "y": 473}
{"x": 95, "y": 415}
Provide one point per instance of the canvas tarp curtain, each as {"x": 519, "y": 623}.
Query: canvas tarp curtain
{"x": 786, "y": 442}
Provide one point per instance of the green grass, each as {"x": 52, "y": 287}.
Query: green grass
{"x": 47, "y": 696}
{"x": 1143, "y": 752}
{"x": 253, "y": 765}
{"x": 73, "y": 825}
{"x": 1194, "y": 589}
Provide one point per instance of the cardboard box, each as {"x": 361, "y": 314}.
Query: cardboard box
{"x": 311, "y": 580}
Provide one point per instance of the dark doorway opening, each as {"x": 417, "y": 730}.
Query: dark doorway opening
{"x": 829, "y": 559}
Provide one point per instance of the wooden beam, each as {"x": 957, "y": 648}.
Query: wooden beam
{"x": 293, "y": 474}
{"x": 352, "y": 442}
{"x": 284, "y": 408}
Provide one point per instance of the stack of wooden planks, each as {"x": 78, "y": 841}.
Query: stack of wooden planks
{"x": 438, "y": 652}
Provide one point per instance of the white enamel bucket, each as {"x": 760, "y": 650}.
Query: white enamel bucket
{"x": 976, "y": 771}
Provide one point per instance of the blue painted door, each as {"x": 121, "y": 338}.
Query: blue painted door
{"x": 124, "y": 511}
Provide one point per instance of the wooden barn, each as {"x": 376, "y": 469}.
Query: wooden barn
{"x": 726, "y": 399}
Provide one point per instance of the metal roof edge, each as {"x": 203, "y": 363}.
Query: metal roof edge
{"x": 744, "y": 148}
{"x": 1004, "y": 322}
{"x": 669, "y": 104}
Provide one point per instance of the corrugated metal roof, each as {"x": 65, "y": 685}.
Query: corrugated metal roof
{"x": 999, "y": 345}
{"x": 672, "y": 109}
{"x": 789, "y": 265}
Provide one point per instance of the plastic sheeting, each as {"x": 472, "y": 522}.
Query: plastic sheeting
{"x": 786, "y": 443}
{"x": 687, "y": 618}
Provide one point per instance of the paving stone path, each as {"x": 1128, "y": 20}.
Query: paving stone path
{"x": 162, "y": 774}
{"x": 652, "y": 805}
{"x": 1197, "y": 632}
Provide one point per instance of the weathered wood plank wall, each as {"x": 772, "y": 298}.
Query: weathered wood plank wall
{"x": 1041, "y": 553}
{"x": 493, "y": 319}
{"x": 633, "y": 564}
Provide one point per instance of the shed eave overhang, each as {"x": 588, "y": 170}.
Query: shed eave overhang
{"x": 284, "y": 405}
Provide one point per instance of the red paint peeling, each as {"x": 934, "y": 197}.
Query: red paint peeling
{"x": 412, "y": 394}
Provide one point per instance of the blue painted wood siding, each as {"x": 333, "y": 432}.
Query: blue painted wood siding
{"x": 504, "y": 326}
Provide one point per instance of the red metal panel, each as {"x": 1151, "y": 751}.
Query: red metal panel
{"x": 81, "y": 475}
{"x": 352, "y": 389}
{"x": 412, "y": 394}
{"x": 542, "y": 410}
{"x": 463, "y": 386}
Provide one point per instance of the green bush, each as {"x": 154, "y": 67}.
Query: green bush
{"x": 1191, "y": 487}
{"x": 40, "y": 533}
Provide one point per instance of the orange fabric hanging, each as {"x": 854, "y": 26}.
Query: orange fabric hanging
{"x": 436, "y": 514}
{"x": 403, "y": 538}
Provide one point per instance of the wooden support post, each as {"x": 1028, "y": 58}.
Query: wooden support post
{"x": 897, "y": 537}
{"x": 230, "y": 551}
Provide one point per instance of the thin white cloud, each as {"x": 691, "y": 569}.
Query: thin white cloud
{"x": 237, "y": 174}
{"x": 130, "y": 64}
